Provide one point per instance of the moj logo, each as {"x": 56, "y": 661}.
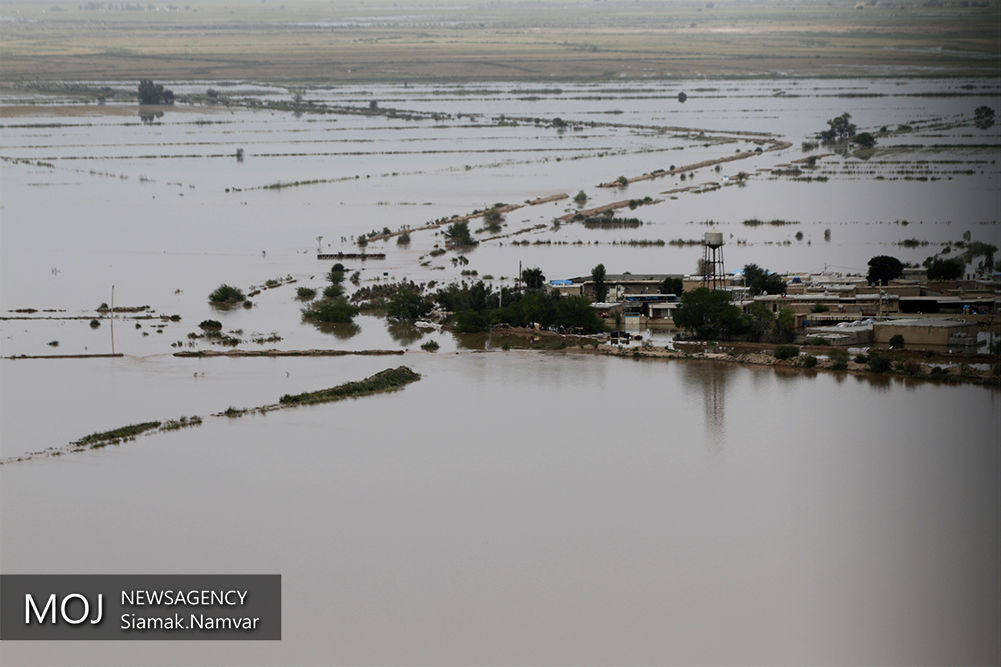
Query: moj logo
{"x": 73, "y": 609}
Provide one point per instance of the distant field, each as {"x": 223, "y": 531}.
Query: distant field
{"x": 319, "y": 41}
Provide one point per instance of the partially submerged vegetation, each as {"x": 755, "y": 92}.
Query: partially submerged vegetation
{"x": 383, "y": 381}
{"x": 477, "y": 306}
{"x": 387, "y": 380}
{"x": 226, "y": 295}
{"x": 330, "y": 311}
{"x": 115, "y": 436}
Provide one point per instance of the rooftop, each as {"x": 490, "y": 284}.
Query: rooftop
{"x": 925, "y": 322}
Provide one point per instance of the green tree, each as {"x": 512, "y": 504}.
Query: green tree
{"x": 336, "y": 275}
{"x": 864, "y": 140}
{"x": 983, "y": 117}
{"x": 708, "y": 314}
{"x": 945, "y": 269}
{"x": 333, "y": 291}
{"x": 576, "y": 311}
{"x": 457, "y": 234}
{"x": 478, "y": 296}
{"x": 330, "y": 311}
{"x": 976, "y": 249}
{"x": 154, "y": 93}
{"x": 493, "y": 219}
{"x": 759, "y": 322}
{"x": 598, "y": 278}
{"x": 883, "y": 268}
{"x": 470, "y": 321}
{"x": 840, "y": 128}
{"x": 785, "y": 325}
{"x": 408, "y": 305}
{"x": 580, "y": 198}
{"x": 533, "y": 278}
{"x": 672, "y": 286}
{"x": 762, "y": 281}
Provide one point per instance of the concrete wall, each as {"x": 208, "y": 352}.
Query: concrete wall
{"x": 916, "y": 336}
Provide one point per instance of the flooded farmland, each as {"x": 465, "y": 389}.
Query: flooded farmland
{"x": 514, "y": 505}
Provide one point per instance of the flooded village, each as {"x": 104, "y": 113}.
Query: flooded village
{"x": 635, "y": 333}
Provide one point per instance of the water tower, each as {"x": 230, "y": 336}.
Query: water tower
{"x": 713, "y": 274}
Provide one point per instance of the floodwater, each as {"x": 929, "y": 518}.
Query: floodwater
{"x": 527, "y": 508}
{"x": 512, "y": 506}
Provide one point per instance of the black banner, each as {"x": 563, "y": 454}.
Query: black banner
{"x": 140, "y": 606}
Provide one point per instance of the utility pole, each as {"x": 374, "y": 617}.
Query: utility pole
{"x": 112, "y": 324}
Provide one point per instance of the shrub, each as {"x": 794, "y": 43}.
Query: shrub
{"x": 430, "y": 346}
{"x": 861, "y": 358}
{"x": 226, "y": 294}
{"x": 938, "y": 373}
{"x": 330, "y": 311}
{"x": 912, "y": 368}
{"x": 807, "y": 361}
{"x": 839, "y": 359}
{"x": 817, "y": 341}
{"x": 332, "y": 291}
{"x": 210, "y": 325}
{"x": 94, "y": 324}
{"x": 819, "y": 308}
{"x": 403, "y": 239}
{"x": 785, "y": 351}
{"x": 879, "y": 363}
{"x": 897, "y": 340}
{"x": 305, "y": 293}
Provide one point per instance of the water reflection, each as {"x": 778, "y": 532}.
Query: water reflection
{"x": 404, "y": 333}
{"x": 148, "y": 117}
{"x": 492, "y": 340}
{"x": 713, "y": 378}
{"x": 877, "y": 381}
{"x": 341, "y": 331}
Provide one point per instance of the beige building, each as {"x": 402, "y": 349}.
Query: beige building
{"x": 926, "y": 333}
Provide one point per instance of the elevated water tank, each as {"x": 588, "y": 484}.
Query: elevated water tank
{"x": 714, "y": 239}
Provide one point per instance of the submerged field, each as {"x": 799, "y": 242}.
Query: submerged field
{"x": 162, "y": 207}
{"x": 601, "y": 510}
